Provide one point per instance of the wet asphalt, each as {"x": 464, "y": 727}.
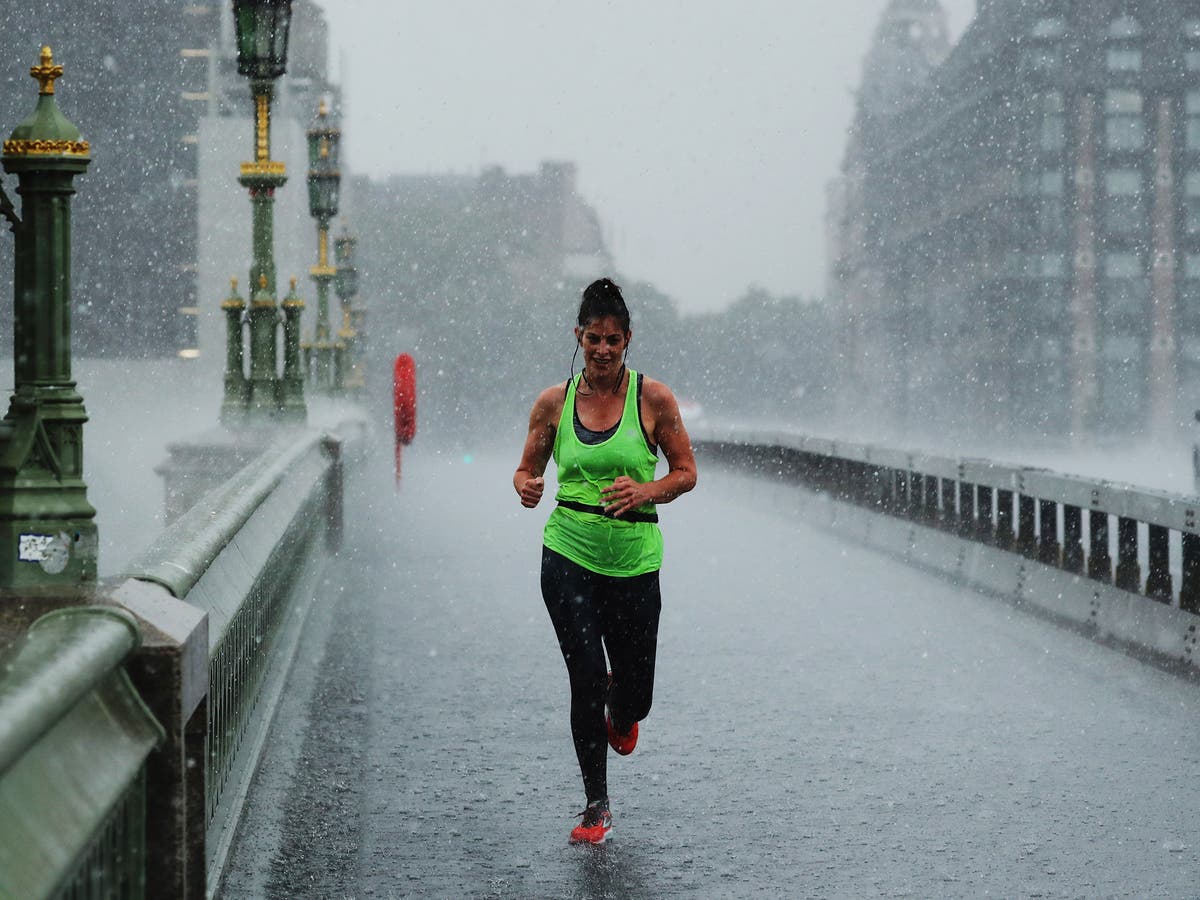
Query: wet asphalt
{"x": 827, "y": 722}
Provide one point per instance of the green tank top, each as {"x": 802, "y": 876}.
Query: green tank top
{"x": 600, "y": 543}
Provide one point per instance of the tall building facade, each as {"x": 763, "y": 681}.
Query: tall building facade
{"x": 135, "y": 83}
{"x": 1016, "y": 239}
{"x": 141, "y": 79}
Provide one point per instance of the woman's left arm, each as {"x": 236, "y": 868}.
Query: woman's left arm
{"x": 669, "y": 433}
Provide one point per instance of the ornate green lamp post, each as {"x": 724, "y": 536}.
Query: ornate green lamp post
{"x": 324, "y": 180}
{"x": 47, "y": 526}
{"x": 346, "y": 285}
{"x": 262, "y": 38}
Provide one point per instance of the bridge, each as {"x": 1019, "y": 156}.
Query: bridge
{"x": 865, "y": 686}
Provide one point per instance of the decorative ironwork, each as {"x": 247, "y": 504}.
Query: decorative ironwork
{"x": 264, "y": 167}
{"x": 46, "y": 72}
{"x": 47, "y": 148}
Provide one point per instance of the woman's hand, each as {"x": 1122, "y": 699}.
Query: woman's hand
{"x": 531, "y": 491}
{"x": 625, "y": 494}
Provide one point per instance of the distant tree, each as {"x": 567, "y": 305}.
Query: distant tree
{"x": 763, "y": 356}
{"x": 654, "y": 321}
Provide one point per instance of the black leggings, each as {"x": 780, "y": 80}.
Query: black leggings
{"x": 592, "y": 613}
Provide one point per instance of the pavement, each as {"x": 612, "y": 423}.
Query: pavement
{"x": 827, "y": 722}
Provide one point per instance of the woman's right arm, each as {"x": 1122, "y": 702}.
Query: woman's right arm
{"x": 539, "y": 444}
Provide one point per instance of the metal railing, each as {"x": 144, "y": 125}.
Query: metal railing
{"x": 1143, "y": 541}
{"x": 85, "y": 809}
{"x": 242, "y": 555}
{"x": 74, "y": 739}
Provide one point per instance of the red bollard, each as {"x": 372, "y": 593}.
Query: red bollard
{"x": 404, "y": 403}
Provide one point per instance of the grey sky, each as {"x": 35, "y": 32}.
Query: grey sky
{"x": 704, "y": 132}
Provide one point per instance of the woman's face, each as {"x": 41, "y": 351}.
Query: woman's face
{"x": 603, "y": 342}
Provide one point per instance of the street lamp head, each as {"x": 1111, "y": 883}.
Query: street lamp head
{"x": 324, "y": 177}
{"x": 262, "y": 37}
{"x": 346, "y": 279}
{"x": 323, "y": 194}
{"x": 324, "y": 141}
{"x": 343, "y": 247}
{"x": 345, "y": 282}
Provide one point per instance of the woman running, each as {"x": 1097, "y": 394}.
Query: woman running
{"x": 602, "y": 547}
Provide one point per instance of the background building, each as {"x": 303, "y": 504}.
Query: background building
{"x": 135, "y": 84}
{"x": 473, "y": 274}
{"x": 153, "y": 86}
{"x": 1016, "y": 242}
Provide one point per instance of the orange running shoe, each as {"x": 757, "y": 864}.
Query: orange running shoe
{"x": 596, "y": 825}
{"x": 622, "y": 743}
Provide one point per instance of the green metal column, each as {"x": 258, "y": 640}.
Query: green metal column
{"x": 322, "y": 275}
{"x": 237, "y": 388}
{"x": 347, "y": 365}
{"x": 47, "y": 526}
{"x": 263, "y": 319}
{"x": 291, "y": 386}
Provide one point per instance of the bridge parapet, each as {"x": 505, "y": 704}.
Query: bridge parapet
{"x": 1119, "y": 560}
{"x": 73, "y": 751}
{"x": 249, "y": 557}
{"x": 128, "y": 742}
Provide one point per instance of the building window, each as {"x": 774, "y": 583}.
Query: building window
{"x": 1124, "y": 27}
{"x": 1125, "y": 287}
{"x": 1051, "y": 184}
{"x": 1124, "y": 128}
{"x": 1191, "y": 53}
{"x": 1124, "y": 53}
{"x": 1049, "y": 28}
{"x": 1189, "y": 287}
{"x": 1044, "y": 58}
{"x": 1122, "y": 265}
{"x": 1054, "y": 122}
{"x": 1191, "y": 203}
{"x": 1191, "y": 109}
{"x": 1051, "y": 207}
{"x": 1054, "y": 265}
{"x": 1124, "y": 59}
{"x": 1044, "y": 52}
{"x": 1124, "y": 204}
{"x": 1050, "y": 310}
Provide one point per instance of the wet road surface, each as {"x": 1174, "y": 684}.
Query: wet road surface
{"x": 827, "y": 723}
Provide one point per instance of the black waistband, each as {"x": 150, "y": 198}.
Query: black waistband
{"x": 600, "y": 511}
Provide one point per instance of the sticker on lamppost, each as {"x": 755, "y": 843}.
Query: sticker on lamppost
{"x": 51, "y": 551}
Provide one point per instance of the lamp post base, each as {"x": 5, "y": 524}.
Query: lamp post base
{"x": 48, "y": 554}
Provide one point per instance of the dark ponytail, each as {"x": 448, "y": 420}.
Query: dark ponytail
{"x": 603, "y": 298}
